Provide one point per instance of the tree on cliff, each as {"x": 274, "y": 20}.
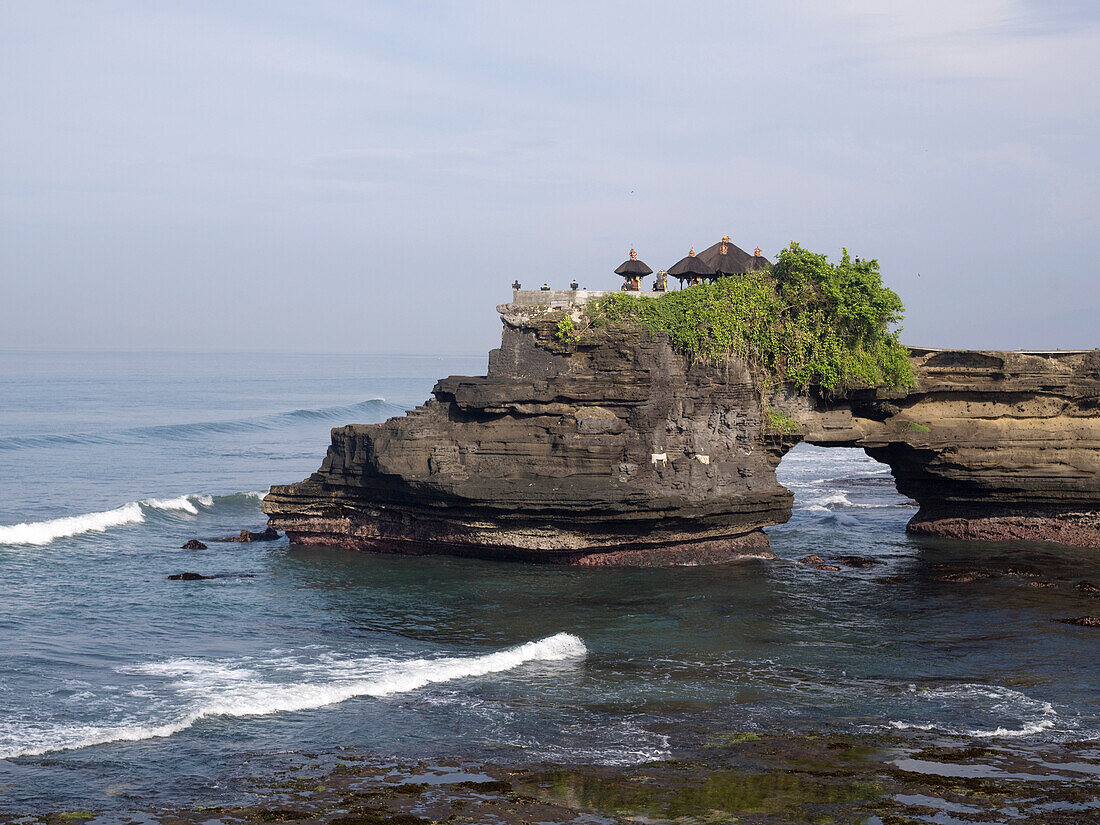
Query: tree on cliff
{"x": 807, "y": 321}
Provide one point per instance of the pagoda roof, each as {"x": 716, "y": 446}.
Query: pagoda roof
{"x": 727, "y": 258}
{"x": 691, "y": 266}
{"x": 632, "y": 267}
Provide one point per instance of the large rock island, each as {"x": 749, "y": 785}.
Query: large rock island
{"x": 621, "y": 450}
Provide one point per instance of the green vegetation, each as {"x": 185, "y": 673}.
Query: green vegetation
{"x": 567, "y": 330}
{"x": 807, "y": 321}
{"x": 780, "y": 422}
{"x": 718, "y": 798}
{"x": 917, "y": 427}
{"x": 726, "y": 740}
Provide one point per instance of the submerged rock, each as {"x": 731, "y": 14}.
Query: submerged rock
{"x": 194, "y": 544}
{"x": 245, "y": 536}
{"x": 967, "y": 576}
{"x": 1082, "y": 621}
{"x": 1088, "y": 588}
{"x": 855, "y": 561}
{"x": 188, "y": 577}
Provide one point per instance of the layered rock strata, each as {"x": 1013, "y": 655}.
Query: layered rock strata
{"x": 619, "y": 451}
{"x": 996, "y": 446}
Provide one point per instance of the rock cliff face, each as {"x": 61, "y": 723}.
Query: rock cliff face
{"x": 992, "y": 445}
{"x": 621, "y": 452}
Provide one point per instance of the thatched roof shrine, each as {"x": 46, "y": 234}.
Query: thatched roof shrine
{"x": 632, "y": 267}
{"x": 691, "y": 268}
{"x": 727, "y": 258}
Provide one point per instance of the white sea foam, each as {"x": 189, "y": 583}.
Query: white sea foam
{"x": 838, "y": 498}
{"x": 911, "y": 725}
{"x": 213, "y": 688}
{"x": 44, "y": 532}
{"x": 833, "y": 498}
{"x": 185, "y": 503}
{"x": 1028, "y": 716}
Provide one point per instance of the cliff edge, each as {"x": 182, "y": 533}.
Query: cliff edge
{"x": 621, "y": 451}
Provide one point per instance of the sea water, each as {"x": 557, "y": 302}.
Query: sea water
{"x": 120, "y": 688}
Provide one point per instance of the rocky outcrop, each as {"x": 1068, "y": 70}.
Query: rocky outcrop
{"x": 620, "y": 451}
{"x": 617, "y": 452}
{"x": 996, "y": 446}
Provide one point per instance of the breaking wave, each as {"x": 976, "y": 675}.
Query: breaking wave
{"x": 375, "y": 409}
{"x": 43, "y": 532}
{"x": 258, "y": 688}
{"x": 1007, "y": 713}
{"x": 837, "y": 498}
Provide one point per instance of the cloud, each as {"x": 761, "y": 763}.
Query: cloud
{"x": 235, "y": 147}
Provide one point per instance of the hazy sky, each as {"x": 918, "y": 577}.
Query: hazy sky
{"x": 372, "y": 176}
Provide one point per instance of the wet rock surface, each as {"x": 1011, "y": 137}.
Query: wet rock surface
{"x": 725, "y": 776}
{"x": 194, "y": 544}
{"x": 268, "y": 534}
{"x": 1082, "y": 621}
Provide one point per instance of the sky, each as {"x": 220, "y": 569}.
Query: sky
{"x": 372, "y": 176}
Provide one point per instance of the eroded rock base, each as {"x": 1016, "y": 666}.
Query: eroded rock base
{"x": 754, "y": 544}
{"x": 1071, "y": 528}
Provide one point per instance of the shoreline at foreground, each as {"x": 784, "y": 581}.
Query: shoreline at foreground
{"x": 727, "y": 776}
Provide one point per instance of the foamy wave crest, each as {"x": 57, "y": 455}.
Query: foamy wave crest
{"x": 185, "y": 503}
{"x": 833, "y": 499}
{"x": 235, "y": 689}
{"x": 43, "y": 532}
{"x": 1026, "y": 716}
{"x": 837, "y": 498}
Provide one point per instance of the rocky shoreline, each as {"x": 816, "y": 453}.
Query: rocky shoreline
{"x": 724, "y": 776}
{"x": 620, "y": 450}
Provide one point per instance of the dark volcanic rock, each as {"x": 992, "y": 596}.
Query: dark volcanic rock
{"x": 813, "y": 558}
{"x": 188, "y": 577}
{"x": 618, "y": 452}
{"x": 1088, "y": 588}
{"x": 855, "y": 561}
{"x": 967, "y": 576}
{"x": 995, "y": 446}
{"x": 1082, "y": 621}
{"x": 245, "y": 536}
{"x": 618, "y": 449}
{"x": 194, "y": 544}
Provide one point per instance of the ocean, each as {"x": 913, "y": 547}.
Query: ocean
{"x": 122, "y": 689}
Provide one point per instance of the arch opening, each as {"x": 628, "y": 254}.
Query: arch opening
{"x": 845, "y": 502}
